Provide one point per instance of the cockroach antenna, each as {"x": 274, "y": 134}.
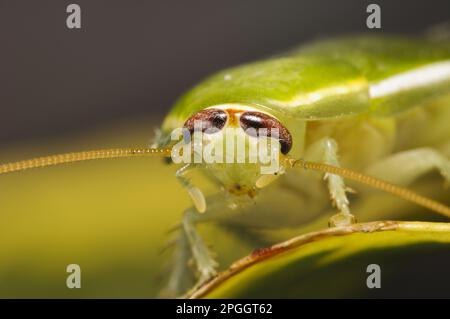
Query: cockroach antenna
{"x": 374, "y": 182}
{"x": 81, "y": 156}
{"x": 66, "y": 158}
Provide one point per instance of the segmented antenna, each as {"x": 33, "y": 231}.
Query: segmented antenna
{"x": 399, "y": 191}
{"x": 134, "y": 152}
{"x": 81, "y": 156}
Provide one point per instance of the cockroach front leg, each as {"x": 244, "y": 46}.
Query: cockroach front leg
{"x": 189, "y": 246}
{"x": 181, "y": 277}
{"x": 205, "y": 264}
{"x": 325, "y": 151}
{"x": 191, "y": 250}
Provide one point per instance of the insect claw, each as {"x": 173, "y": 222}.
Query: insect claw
{"x": 341, "y": 219}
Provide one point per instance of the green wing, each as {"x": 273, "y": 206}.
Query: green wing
{"x": 326, "y": 79}
{"x": 424, "y": 64}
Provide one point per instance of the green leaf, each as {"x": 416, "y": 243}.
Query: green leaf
{"x": 333, "y": 263}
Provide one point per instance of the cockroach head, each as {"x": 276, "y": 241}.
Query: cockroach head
{"x": 240, "y": 145}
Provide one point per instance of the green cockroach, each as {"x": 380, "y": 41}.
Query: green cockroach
{"x": 370, "y": 104}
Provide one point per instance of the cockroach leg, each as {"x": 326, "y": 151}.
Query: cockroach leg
{"x": 191, "y": 251}
{"x": 204, "y": 261}
{"x": 180, "y": 278}
{"x": 325, "y": 151}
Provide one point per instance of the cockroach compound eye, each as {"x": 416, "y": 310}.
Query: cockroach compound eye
{"x": 207, "y": 121}
{"x": 258, "y": 120}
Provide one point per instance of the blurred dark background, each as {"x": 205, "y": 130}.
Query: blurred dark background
{"x": 134, "y": 58}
